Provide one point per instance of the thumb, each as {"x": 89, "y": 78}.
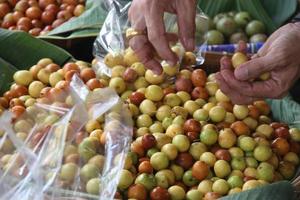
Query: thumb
{"x": 254, "y": 68}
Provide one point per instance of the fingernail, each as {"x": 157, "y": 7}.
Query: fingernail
{"x": 241, "y": 73}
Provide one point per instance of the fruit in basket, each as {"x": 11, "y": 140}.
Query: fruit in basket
{"x": 255, "y": 27}
{"x": 214, "y": 37}
{"x": 242, "y": 19}
{"x": 226, "y": 25}
{"x": 237, "y": 37}
{"x": 259, "y": 37}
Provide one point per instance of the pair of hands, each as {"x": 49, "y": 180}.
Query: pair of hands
{"x": 280, "y": 55}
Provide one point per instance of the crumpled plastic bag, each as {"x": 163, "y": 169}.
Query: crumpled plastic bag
{"x": 46, "y": 153}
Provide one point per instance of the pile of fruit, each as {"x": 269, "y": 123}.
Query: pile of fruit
{"x": 190, "y": 141}
{"x": 38, "y": 17}
{"x": 232, "y": 27}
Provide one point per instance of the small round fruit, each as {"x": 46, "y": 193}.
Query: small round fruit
{"x": 262, "y": 153}
{"x": 226, "y": 25}
{"x": 23, "y": 77}
{"x": 255, "y": 27}
{"x": 280, "y": 146}
{"x": 198, "y": 78}
{"x": 35, "y": 88}
{"x": 147, "y": 180}
{"x": 183, "y": 84}
{"x": 217, "y": 114}
{"x": 291, "y": 157}
{"x": 235, "y": 181}
{"x": 295, "y": 134}
{"x": 117, "y": 84}
{"x": 238, "y": 58}
{"x": 126, "y": 179}
{"x": 222, "y": 168}
{"x": 221, "y": 186}
{"x": 226, "y": 138}
{"x": 181, "y": 142}
{"x": 185, "y": 160}
{"x": 159, "y": 193}
{"x": 240, "y": 128}
{"x": 176, "y": 192}
{"x": 250, "y": 184}
{"x": 209, "y": 136}
{"x": 89, "y": 171}
{"x": 191, "y": 125}
{"x": 214, "y": 37}
{"x": 209, "y": 158}
{"x": 205, "y": 186}
{"x": 154, "y": 93}
{"x": 93, "y": 186}
{"x": 159, "y": 161}
{"x": 258, "y": 38}
{"x": 68, "y": 172}
{"x": 247, "y": 143}
{"x": 200, "y": 170}
{"x": 137, "y": 191}
{"x": 170, "y": 150}
{"x": 148, "y": 141}
{"x": 240, "y": 111}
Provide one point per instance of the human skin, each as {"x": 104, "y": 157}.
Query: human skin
{"x": 148, "y": 15}
{"x": 279, "y": 56}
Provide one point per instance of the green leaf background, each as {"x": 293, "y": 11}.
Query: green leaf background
{"x": 19, "y": 50}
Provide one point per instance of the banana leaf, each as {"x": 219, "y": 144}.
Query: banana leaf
{"x": 19, "y": 50}
{"x": 276, "y": 191}
{"x": 86, "y": 25}
{"x": 280, "y": 10}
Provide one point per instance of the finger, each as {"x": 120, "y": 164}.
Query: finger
{"x": 236, "y": 97}
{"x": 186, "y": 13}
{"x": 156, "y": 32}
{"x": 257, "y": 89}
{"x": 145, "y": 53}
{"x": 255, "y": 67}
{"x": 225, "y": 63}
{"x": 242, "y": 47}
{"x": 172, "y": 37}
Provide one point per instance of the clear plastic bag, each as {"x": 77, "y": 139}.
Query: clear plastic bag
{"x": 111, "y": 39}
{"x": 47, "y": 154}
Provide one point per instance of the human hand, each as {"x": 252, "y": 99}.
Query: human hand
{"x": 148, "y": 15}
{"x": 279, "y": 56}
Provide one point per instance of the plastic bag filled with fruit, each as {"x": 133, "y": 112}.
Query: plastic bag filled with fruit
{"x": 71, "y": 145}
{"x": 114, "y": 56}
